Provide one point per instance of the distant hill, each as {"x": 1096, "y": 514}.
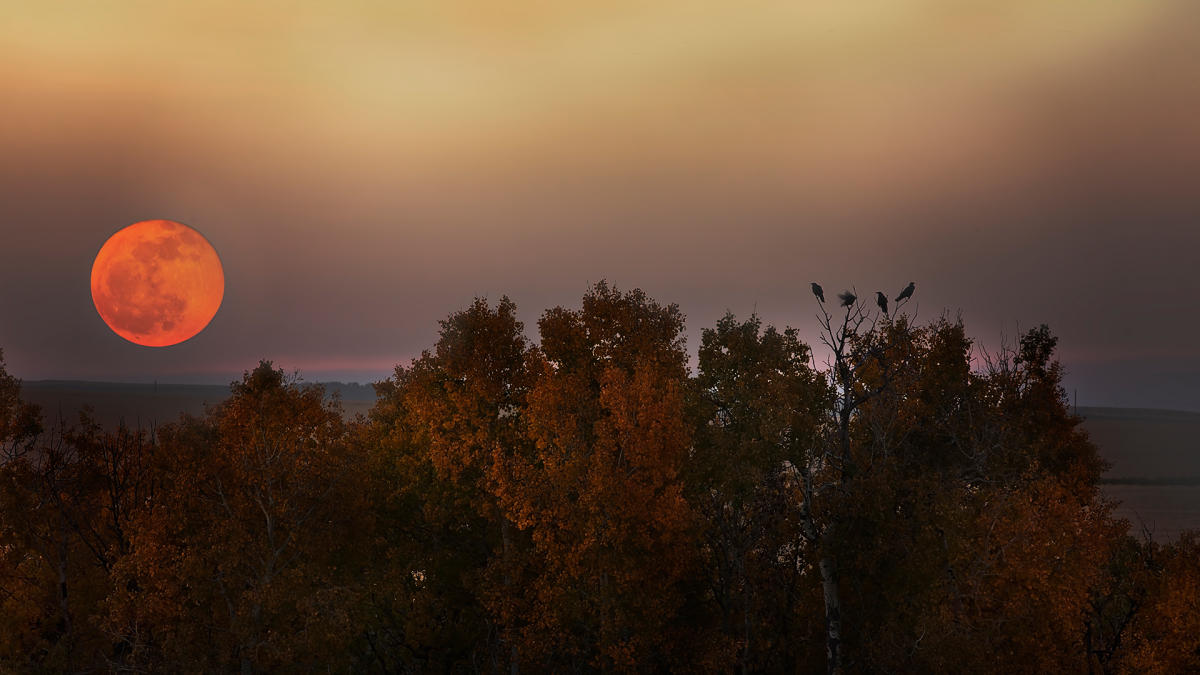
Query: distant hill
{"x": 149, "y": 405}
{"x": 1146, "y": 446}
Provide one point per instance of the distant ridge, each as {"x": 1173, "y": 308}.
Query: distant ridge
{"x": 1153, "y": 482}
{"x": 145, "y": 405}
{"x": 1138, "y": 414}
{"x": 1146, "y": 446}
{"x": 91, "y": 385}
{"x": 349, "y": 391}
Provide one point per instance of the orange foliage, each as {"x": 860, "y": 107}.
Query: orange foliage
{"x": 245, "y": 557}
{"x": 585, "y": 504}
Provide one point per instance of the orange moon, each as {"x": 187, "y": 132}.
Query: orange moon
{"x": 157, "y": 283}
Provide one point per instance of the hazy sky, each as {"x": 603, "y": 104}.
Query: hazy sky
{"x": 365, "y": 167}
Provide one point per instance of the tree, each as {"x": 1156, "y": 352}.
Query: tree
{"x": 1147, "y": 619}
{"x": 858, "y": 371}
{"x": 935, "y": 492}
{"x": 66, "y": 508}
{"x": 453, "y": 425}
{"x": 602, "y": 498}
{"x": 248, "y": 556}
{"x": 755, "y": 411}
{"x": 972, "y": 529}
{"x": 917, "y": 504}
{"x": 20, "y": 422}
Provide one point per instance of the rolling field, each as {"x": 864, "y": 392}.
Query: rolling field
{"x": 1155, "y": 472}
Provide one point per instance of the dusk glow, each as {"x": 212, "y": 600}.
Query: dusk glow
{"x": 1026, "y": 161}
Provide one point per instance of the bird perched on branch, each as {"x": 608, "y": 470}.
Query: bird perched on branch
{"x": 907, "y": 292}
{"x": 819, "y": 292}
{"x": 881, "y": 300}
{"x": 847, "y": 298}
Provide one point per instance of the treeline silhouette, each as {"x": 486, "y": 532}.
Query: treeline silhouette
{"x": 585, "y": 504}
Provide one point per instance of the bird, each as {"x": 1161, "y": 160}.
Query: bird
{"x": 881, "y": 300}
{"x": 907, "y": 292}
{"x": 847, "y": 298}
{"x": 819, "y": 292}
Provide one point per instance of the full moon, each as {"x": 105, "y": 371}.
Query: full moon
{"x": 157, "y": 283}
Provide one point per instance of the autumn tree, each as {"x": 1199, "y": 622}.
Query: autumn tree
{"x": 40, "y": 559}
{"x": 69, "y": 498}
{"x": 912, "y": 504}
{"x": 452, "y": 427}
{"x": 1158, "y": 627}
{"x": 929, "y": 490}
{"x": 249, "y": 555}
{"x": 971, "y": 528}
{"x": 756, "y": 408}
{"x": 20, "y": 422}
{"x": 602, "y": 498}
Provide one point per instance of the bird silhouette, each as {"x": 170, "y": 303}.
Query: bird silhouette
{"x": 818, "y": 291}
{"x": 847, "y": 298}
{"x": 907, "y": 292}
{"x": 881, "y": 300}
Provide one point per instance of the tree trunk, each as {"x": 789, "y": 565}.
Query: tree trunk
{"x": 829, "y": 579}
{"x": 514, "y": 663}
{"x": 833, "y": 615}
{"x": 64, "y": 606}
{"x": 829, "y": 574}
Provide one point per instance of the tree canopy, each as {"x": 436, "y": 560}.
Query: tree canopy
{"x": 892, "y": 499}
